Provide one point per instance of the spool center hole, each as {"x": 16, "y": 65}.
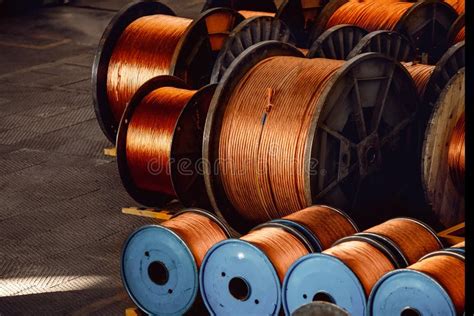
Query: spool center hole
{"x": 158, "y": 273}
{"x": 371, "y": 155}
{"x": 409, "y": 311}
{"x": 323, "y": 297}
{"x": 239, "y": 289}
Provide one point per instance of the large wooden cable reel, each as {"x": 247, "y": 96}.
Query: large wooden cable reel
{"x": 359, "y": 138}
{"x": 249, "y": 32}
{"x": 447, "y": 204}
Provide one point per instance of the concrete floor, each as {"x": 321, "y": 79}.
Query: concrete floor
{"x": 61, "y": 229}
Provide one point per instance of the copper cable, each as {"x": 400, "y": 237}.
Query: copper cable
{"x": 368, "y": 263}
{"x": 412, "y": 238}
{"x": 421, "y": 74}
{"x": 370, "y": 15}
{"x": 449, "y": 272}
{"x": 199, "y": 232}
{"x": 281, "y": 247}
{"x": 149, "y": 137}
{"x": 325, "y": 223}
{"x": 265, "y": 128}
{"x": 144, "y": 50}
{"x": 250, "y": 14}
{"x": 458, "y": 5}
{"x": 456, "y": 154}
{"x": 461, "y": 35}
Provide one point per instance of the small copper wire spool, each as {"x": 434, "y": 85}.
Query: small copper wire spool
{"x": 269, "y": 102}
{"x": 456, "y": 155}
{"x": 160, "y": 140}
{"x": 411, "y": 19}
{"x": 244, "y": 275}
{"x": 434, "y": 285}
{"x": 343, "y": 274}
{"x": 409, "y": 239}
{"x": 145, "y": 39}
{"x": 421, "y": 74}
{"x": 160, "y": 263}
{"x": 322, "y": 225}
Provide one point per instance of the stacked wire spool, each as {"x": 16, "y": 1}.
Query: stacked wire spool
{"x": 160, "y": 263}
{"x": 299, "y": 156}
{"x": 346, "y": 273}
{"x": 414, "y": 20}
{"x": 145, "y": 39}
{"x": 299, "y": 15}
{"x": 245, "y": 275}
{"x": 433, "y": 285}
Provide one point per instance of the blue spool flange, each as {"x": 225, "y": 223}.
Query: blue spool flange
{"x": 159, "y": 271}
{"x": 330, "y": 278}
{"x": 237, "y": 278}
{"x": 410, "y": 290}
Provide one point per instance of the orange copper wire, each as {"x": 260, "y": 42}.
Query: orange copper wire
{"x": 412, "y": 238}
{"x": 421, "y": 74}
{"x": 370, "y": 15}
{"x": 262, "y": 146}
{"x": 249, "y": 14}
{"x": 449, "y": 272}
{"x": 281, "y": 247}
{"x": 458, "y": 5}
{"x": 325, "y": 223}
{"x": 456, "y": 154}
{"x": 149, "y": 137}
{"x": 367, "y": 262}
{"x": 143, "y": 51}
{"x": 199, "y": 232}
{"x": 461, "y": 35}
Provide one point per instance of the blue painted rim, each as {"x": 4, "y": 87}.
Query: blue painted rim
{"x": 406, "y": 288}
{"x": 322, "y": 273}
{"x": 235, "y": 258}
{"x": 312, "y": 239}
{"x": 155, "y": 243}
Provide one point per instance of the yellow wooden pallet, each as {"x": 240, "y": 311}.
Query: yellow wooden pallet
{"x": 110, "y": 152}
{"x": 159, "y": 214}
{"x": 453, "y": 235}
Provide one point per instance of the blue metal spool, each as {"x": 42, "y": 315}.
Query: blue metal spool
{"x": 410, "y": 291}
{"x": 159, "y": 271}
{"x": 327, "y": 276}
{"x": 237, "y": 278}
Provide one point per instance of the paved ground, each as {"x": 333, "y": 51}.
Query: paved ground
{"x": 60, "y": 224}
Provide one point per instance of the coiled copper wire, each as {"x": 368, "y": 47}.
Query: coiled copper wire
{"x": 449, "y": 272}
{"x": 412, "y": 238}
{"x": 263, "y": 169}
{"x": 461, "y": 35}
{"x": 421, "y": 74}
{"x": 456, "y": 154}
{"x": 250, "y": 14}
{"x": 149, "y": 138}
{"x": 458, "y": 5}
{"x": 327, "y": 224}
{"x": 367, "y": 262}
{"x": 281, "y": 247}
{"x": 199, "y": 232}
{"x": 143, "y": 51}
{"x": 370, "y": 15}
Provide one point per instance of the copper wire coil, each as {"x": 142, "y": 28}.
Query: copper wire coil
{"x": 249, "y": 14}
{"x": 144, "y": 50}
{"x": 458, "y": 5}
{"x": 281, "y": 247}
{"x": 263, "y": 178}
{"x": 456, "y": 155}
{"x": 150, "y": 135}
{"x": 449, "y": 271}
{"x": 412, "y": 238}
{"x": 370, "y": 15}
{"x": 421, "y": 74}
{"x": 327, "y": 224}
{"x": 461, "y": 35}
{"x": 199, "y": 232}
{"x": 366, "y": 261}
